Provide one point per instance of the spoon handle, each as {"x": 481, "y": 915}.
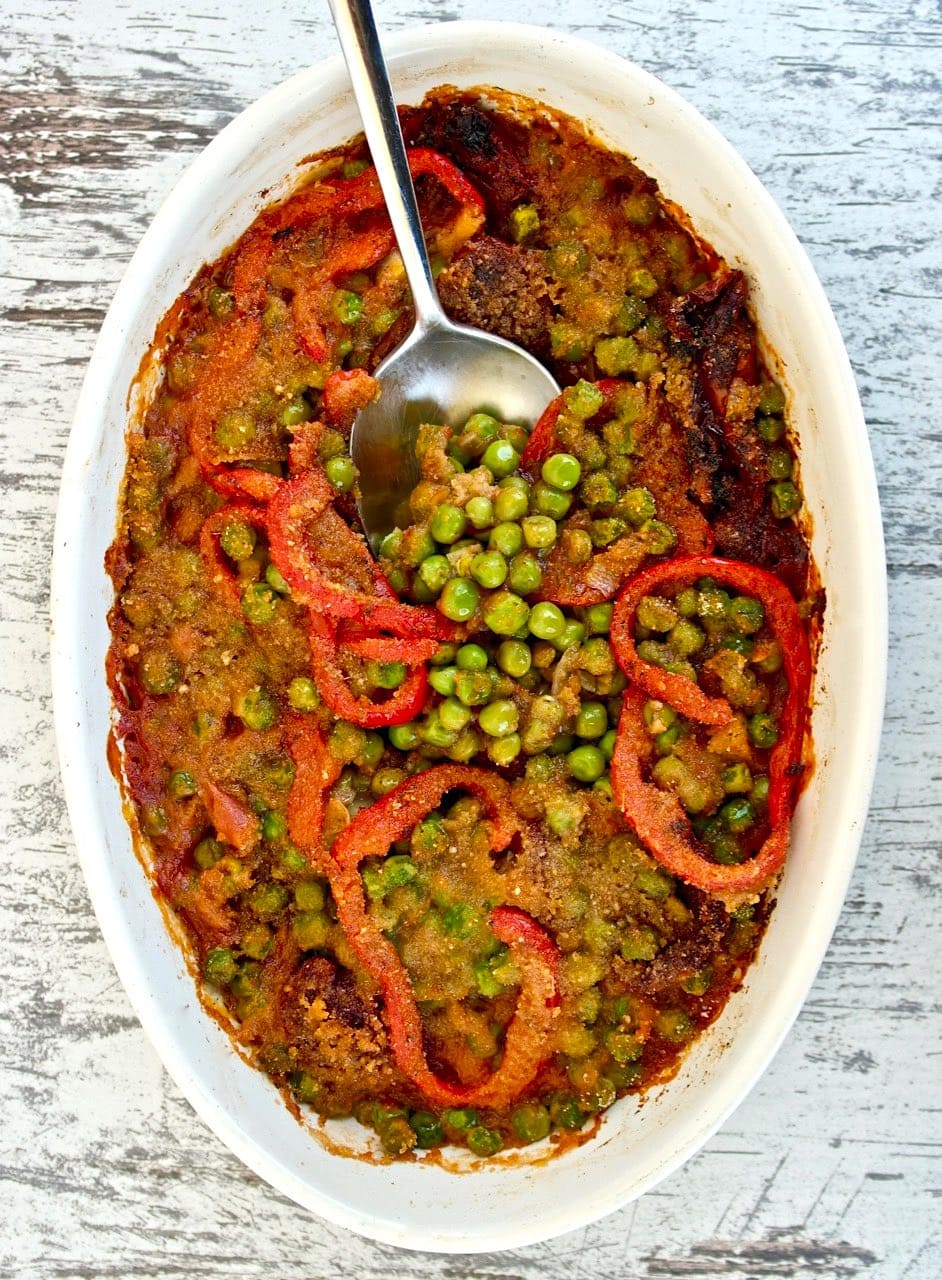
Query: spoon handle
{"x": 371, "y": 88}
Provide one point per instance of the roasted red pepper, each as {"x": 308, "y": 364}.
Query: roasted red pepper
{"x": 346, "y": 392}
{"x": 656, "y": 815}
{"x": 526, "y": 1040}
{"x": 316, "y": 771}
{"x": 221, "y": 574}
{"x": 340, "y": 198}
{"x": 329, "y": 567}
{"x": 402, "y": 705}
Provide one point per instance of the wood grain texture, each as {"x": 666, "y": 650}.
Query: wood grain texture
{"x": 831, "y": 1168}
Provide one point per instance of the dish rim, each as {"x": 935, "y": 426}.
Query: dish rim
{"x": 69, "y": 682}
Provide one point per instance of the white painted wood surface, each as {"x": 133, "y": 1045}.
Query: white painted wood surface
{"x": 830, "y": 1169}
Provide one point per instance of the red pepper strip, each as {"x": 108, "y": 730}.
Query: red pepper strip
{"x": 242, "y": 484}
{"x": 234, "y": 823}
{"x": 542, "y": 439}
{"x": 662, "y": 826}
{"x": 346, "y": 392}
{"x": 407, "y": 649}
{"x": 329, "y": 567}
{"x": 682, "y": 694}
{"x": 403, "y": 705}
{"x": 356, "y": 253}
{"x": 370, "y": 834}
{"x": 316, "y": 771}
{"x": 221, "y": 574}
{"x": 341, "y": 198}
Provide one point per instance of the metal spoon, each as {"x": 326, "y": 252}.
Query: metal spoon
{"x": 443, "y": 371}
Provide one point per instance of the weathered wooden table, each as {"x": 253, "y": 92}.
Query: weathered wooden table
{"x": 827, "y": 1170}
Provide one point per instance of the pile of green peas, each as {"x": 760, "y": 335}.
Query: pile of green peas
{"x": 700, "y": 622}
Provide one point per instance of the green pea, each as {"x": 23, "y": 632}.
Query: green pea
{"x": 779, "y": 464}
{"x": 505, "y": 613}
{"x": 746, "y": 615}
{"x": 771, "y": 430}
{"x": 303, "y": 695}
{"x": 480, "y": 512}
{"x": 459, "y": 599}
{"x": 771, "y": 399}
{"x": 568, "y": 259}
{"x": 539, "y": 532}
{"x": 500, "y": 458}
{"x": 642, "y": 284}
{"x": 274, "y": 826}
{"x": 428, "y": 1132}
{"x": 738, "y": 815}
{"x": 444, "y": 655}
{"x": 686, "y": 638}
{"x": 592, "y": 720}
{"x": 473, "y": 688}
{"x": 156, "y": 822}
{"x": 391, "y": 544}
{"x": 415, "y": 545}
{"x": 638, "y": 506}
{"x": 484, "y": 1142}
{"x": 598, "y": 619}
{"x": 736, "y": 779}
{"x": 597, "y": 657}
{"x": 548, "y": 501}
{"x": 181, "y": 784}
{"x": 257, "y": 708}
{"x": 499, "y": 718}
{"x": 454, "y": 715}
{"x": 478, "y": 432}
{"x": 220, "y": 302}
{"x": 309, "y": 895}
{"x": 341, "y": 472}
{"x": 466, "y": 746}
{"x": 524, "y": 222}
{"x": 531, "y": 1122}
{"x": 268, "y": 899}
{"x": 471, "y": 657}
{"x": 404, "y": 736}
{"x": 219, "y": 967}
{"x": 598, "y": 491}
{"x": 259, "y": 603}
{"x": 586, "y": 763}
{"x": 763, "y": 731}
{"x": 237, "y": 540}
{"x": 448, "y": 523}
{"x": 235, "y": 429}
{"x": 434, "y": 572}
{"x": 562, "y": 471}
{"x": 572, "y": 633}
{"x": 503, "y": 751}
{"x": 347, "y": 306}
{"x": 547, "y": 621}
{"x": 604, "y": 532}
{"x": 489, "y": 568}
{"x": 507, "y": 538}
{"x": 160, "y": 672}
{"x": 566, "y": 1112}
{"x": 607, "y": 743}
{"x": 385, "y": 780}
{"x": 387, "y": 675}
{"x": 208, "y": 852}
{"x": 443, "y": 680}
{"x": 512, "y": 503}
{"x": 525, "y": 575}
{"x": 786, "y": 499}
{"x": 459, "y": 1118}
{"x": 434, "y": 732}
{"x": 276, "y": 581}
{"x": 514, "y": 658}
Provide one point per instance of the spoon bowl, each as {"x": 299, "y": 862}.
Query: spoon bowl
{"x": 440, "y": 374}
{"x": 443, "y": 371}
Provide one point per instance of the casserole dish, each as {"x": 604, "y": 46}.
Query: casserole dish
{"x": 521, "y": 1199}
